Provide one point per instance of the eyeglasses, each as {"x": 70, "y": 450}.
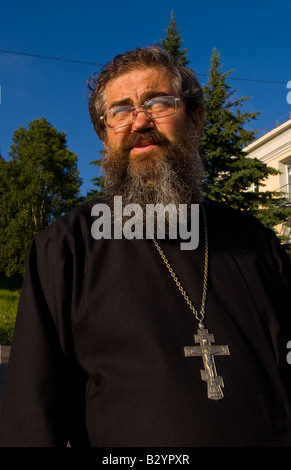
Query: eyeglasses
{"x": 121, "y": 116}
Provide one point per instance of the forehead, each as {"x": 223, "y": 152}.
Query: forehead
{"x": 133, "y": 85}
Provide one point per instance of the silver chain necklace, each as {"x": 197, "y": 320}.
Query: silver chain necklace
{"x": 203, "y": 337}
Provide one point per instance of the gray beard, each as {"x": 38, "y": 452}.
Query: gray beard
{"x": 174, "y": 178}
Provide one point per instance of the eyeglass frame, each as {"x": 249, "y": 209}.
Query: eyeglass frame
{"x": 143, "y": 106}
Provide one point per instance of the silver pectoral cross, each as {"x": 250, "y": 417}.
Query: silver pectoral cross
{"x": 207, "y": 351}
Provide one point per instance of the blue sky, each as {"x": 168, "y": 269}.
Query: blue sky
{"x": 253, "y": 38}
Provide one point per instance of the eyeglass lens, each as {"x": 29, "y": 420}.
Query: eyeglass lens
{"x": 155, "y": 108}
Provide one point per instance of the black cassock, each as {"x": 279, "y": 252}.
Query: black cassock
{"x": 98, "y": 352}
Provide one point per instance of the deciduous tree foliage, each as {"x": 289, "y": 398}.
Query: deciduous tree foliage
{"x": 39, "y": 183}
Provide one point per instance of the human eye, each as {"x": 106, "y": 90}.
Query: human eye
{"x": 119, "y": 116}
{"x": 120, "y": 112}
{"x": 161, "y": 104}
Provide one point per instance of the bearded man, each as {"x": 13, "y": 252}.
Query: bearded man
{"x": 135, "y": 342}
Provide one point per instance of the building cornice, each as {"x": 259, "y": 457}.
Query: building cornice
{"x": 277, "y": 152}
{"x": 282, "y": 128}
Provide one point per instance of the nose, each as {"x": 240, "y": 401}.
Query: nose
{"x": 141, "y": 121}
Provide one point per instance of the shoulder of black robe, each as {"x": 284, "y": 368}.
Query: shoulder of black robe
{"x": 44, "y": 398}
{"x": 43, "y": 401}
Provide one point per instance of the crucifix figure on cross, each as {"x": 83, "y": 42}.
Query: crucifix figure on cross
{"x": 207, "y": 351}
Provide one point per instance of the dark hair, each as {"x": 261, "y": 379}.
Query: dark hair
{"x": 184, "y": 80}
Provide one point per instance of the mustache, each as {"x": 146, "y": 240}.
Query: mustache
{"x": 151, "y": 136}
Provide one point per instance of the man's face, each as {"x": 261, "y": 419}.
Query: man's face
{"x": 133, "y": 89}
{"x": 151, "y": 160}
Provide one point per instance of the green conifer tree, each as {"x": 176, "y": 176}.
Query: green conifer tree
{"x": 229, "y": 173}
{"x": 173, "y": 42}
{"x": 98, "y": 182}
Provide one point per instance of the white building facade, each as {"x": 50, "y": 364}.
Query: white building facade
{"x": 274, "y": 149}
